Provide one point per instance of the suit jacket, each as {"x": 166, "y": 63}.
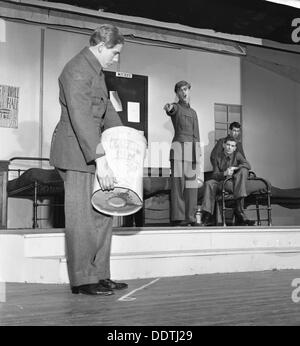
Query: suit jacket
{"x": 186, "y": 140}
{"x": 218, "y": 148}
{"x": 223, "y": 161}
{"x": 85, "y": 112}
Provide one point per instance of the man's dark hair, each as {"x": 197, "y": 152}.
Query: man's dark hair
{"x": 180, "y": 84}
{"x": 234, "y": 124}
{"x": 229, "y": 139}
{"x": 108, "y": 34}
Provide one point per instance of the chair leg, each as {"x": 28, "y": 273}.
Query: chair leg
{"x": 269, "y": 210}
{"x": 257, "y": 212}
{"x": 35, "y": 224}
{"x": 223, "y": 210}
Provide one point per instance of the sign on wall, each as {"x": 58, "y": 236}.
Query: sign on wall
{"x": 9, "y": 105}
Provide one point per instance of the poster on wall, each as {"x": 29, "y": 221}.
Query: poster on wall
{"x": 9, "y": 105}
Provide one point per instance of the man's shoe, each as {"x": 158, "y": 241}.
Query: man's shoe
{"x": 242, "y": 220}
{"x": 180, "y": 223}
{"x": 112, "y": 285}
{"x": 195, "y": 224}
{"x": 92, "y": 289}
{"x": 207, "y": 219}
{"x": 208, "y": 223}
{"x": 240, "y": 217}
{"x": 249, "y": 222}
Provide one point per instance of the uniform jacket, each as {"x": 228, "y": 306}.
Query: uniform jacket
{"x": 223, "y": 161}
{"x": 186, "y": 140}
{"x": 218, "y": 149}
{"x": 85, "y": 112}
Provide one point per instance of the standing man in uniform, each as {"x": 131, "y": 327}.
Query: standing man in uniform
{"x": 184, "y": 157}
{"x": 75, "y": 151}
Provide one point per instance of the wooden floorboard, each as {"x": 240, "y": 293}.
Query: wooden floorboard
{"x": 252, "y": 298}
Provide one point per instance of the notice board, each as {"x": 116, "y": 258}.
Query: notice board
{"x": 129, "y": 95}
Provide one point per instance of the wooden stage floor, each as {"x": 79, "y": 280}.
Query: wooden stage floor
{"x": 251, "y": 298}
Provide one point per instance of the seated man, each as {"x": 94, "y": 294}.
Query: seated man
{"x": 235, "y": 132}
{"x": 229, "y": 162}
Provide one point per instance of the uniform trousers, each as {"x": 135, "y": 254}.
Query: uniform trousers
{"x": 212, "y": 187}
{"x": 184, "y": 190}
{"x": 88, "y": 232}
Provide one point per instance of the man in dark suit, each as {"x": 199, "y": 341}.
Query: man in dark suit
{"x": 235, "y": 132}
{"x": 75, "y": 151}
{"x": 229, "y": 162}
{"x": 184, "y": 157}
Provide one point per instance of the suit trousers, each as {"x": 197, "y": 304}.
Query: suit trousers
{"x": 184, "y": 191}
{"x": 212, "y": 187}
{"x": 88, "y": 232}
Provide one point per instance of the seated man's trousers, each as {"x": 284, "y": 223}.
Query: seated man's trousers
{"x": 212, "y": 187}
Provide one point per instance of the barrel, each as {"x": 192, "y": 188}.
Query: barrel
{"x": 125, "y": 150}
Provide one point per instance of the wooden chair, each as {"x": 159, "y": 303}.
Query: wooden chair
{"x": 259, "y": 196}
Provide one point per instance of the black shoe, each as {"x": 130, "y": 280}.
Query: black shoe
{"x": 242, "y": 220}
{"x": 92, "y": 289}
{"x": 112, "y": 285}
{"x": 249, "y": 222}
{"x": 207, "y": 219}
{"x": 195, "y": 224}
{"x": 181, "y": 223}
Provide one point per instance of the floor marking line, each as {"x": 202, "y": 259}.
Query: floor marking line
{"x": 126, "y": 296}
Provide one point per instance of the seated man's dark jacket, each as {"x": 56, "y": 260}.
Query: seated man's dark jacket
{"x": 218, "y": 149}
{"x": 224, "y": 161}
